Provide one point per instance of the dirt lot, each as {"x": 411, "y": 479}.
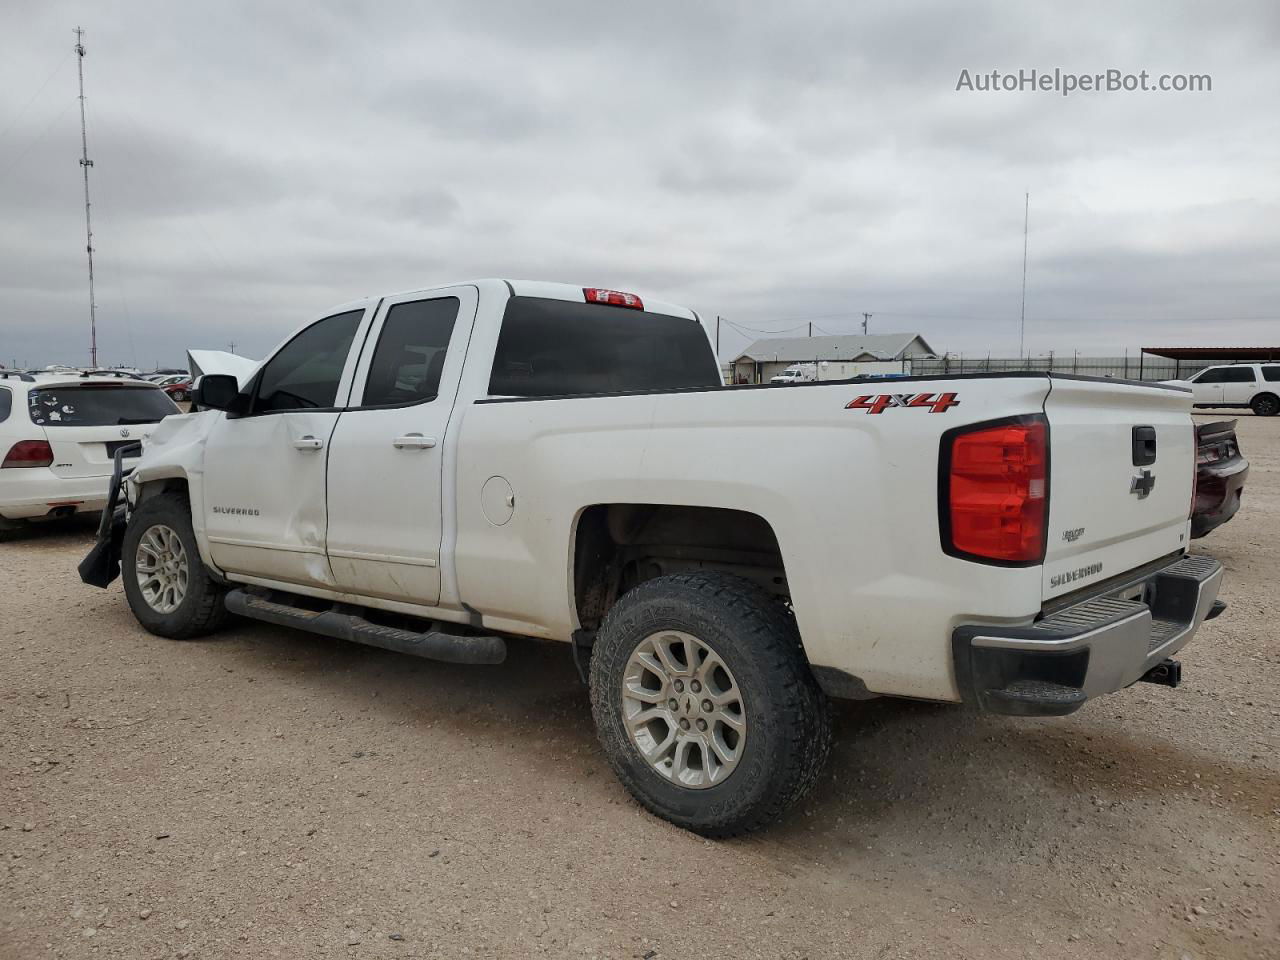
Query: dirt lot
{"x": 271, "y": 794}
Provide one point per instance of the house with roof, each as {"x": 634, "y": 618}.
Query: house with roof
{"x": 847, "y": 355}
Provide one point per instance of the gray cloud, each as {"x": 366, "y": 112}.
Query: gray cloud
{"x": 256, "y": 164}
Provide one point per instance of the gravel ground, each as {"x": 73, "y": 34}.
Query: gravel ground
{"x": 266, "y": 793}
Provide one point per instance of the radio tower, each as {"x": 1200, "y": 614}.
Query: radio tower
{"x": 85, "y": 164}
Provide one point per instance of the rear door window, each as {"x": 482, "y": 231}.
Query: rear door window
{"x": 6, "y": 403}
{"x": 1238, "y": 375}
{"x": 407, "y": 362}
{"x": 556, "y": 347}
{"x": 98, "y": 405}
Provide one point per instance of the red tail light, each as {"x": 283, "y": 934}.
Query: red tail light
{"x": 995, "y": 497}
{"x": 615, "y": 298}
{"x": 28, "y": 453}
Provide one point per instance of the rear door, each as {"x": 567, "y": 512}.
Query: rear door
{"x": 85, "y": 423}
{"x": 387, "y": 457}
{"x": 1239, "y": 384}
{"x": 1121, "y": 462}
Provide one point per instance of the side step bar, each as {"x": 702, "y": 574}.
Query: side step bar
{"x": 432, "y": 645}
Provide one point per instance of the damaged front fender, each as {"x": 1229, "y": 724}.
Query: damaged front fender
{"x": 174, "y": 452}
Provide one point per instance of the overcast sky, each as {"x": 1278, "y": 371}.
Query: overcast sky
{"x": 256, "y": 163}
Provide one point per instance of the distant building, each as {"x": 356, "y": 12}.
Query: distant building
{"x": 845, "y": 356}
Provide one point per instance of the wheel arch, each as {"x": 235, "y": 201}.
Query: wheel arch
{"x": 616, "y": 546}
{"x": 172, "y": 478}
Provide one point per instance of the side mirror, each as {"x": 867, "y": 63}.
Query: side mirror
{"x": 219, "y": 391}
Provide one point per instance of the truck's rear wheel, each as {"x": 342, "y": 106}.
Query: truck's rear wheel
{"x": 1265, "y": 405}
{"x": 167, "y": 585}
{"x": 705, "y": 704}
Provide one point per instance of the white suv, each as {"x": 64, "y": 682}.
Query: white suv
{"x": 1253, "y": 385}
{"x": 59, "y": 433}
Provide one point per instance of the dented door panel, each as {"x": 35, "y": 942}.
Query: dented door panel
{"x": 264, "y": 491}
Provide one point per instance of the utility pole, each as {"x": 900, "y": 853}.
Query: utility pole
{"x": 717, "y": 338}
{"x": 85, "y": 164}
{"x": 232, "y": 346}
{"x": 1022, "y": 317}
{"x": 866, "y": 317}
{"x": 811, "y": 328}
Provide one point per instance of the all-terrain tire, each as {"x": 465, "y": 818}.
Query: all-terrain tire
{"x": 788, "y": 719}
{"x": 1265, "y": 405}
{"x": 201, "y": 610}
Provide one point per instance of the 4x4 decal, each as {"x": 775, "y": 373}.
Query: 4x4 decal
{"x": 881, "y": 403}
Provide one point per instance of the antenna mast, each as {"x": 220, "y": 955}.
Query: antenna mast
{"x": 85, "y": 164}
{"x": 1022, "y": 317}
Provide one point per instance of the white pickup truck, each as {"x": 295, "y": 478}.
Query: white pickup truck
{"x": 441, "y": 471}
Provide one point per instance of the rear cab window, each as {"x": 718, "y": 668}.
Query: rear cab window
{"x": 549, "y": 348}
{"x": 98, "y": 405}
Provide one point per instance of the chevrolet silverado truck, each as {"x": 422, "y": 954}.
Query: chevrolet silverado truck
{"x": 444, "y": 471}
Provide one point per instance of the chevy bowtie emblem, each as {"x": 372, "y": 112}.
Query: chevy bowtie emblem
{"x": 1140, "y": 486}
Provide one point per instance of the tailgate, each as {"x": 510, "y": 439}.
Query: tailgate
{"x": 1109, "y": 510}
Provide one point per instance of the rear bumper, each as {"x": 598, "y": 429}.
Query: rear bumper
{"x": 36, "y": 491}
{"x": 1099, "y": 645}
{"x": 1219, "y": 487}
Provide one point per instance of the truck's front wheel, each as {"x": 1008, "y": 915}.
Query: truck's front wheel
{"x": 705, "y": 704}
{"x": 165, "y": 581}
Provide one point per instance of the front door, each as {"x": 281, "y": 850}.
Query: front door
{"x": 386, "y": 458}
{"x": 264, "y": 472}
{"x": 1207, "y": 387}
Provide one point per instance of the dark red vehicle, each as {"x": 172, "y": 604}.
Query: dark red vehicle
{"x": 1221, "y": 471}
{"x": 178, "y": 392}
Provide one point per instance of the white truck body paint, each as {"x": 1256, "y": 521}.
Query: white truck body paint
{"x": 852, "y": 497}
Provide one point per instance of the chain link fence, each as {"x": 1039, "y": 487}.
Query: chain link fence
{"x": 1139, "y": 367}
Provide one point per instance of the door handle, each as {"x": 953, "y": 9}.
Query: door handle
{"x": 413, "y": 441}
{"x": 308, "y": 442}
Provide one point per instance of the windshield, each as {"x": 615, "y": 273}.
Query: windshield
{"x": 98, "y": 405}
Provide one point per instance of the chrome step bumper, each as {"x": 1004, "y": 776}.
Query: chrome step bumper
{"x": 1097, "y": 646}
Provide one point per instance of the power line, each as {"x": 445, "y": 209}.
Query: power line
{"x": 43, "y": 133}
{"x": 17, "y": 117}
{"x": 1022, "y": 317}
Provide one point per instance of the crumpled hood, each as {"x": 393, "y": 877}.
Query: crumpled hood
{"x": 202, "y": 362}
